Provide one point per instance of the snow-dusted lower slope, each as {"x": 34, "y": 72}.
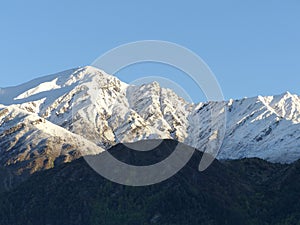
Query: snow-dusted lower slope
{"x": 29, "y": 143}
{"x": 87, "y": 107}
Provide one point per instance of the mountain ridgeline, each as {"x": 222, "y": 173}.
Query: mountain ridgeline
{"x": 57, "y": 118}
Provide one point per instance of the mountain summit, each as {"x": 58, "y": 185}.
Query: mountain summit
{"x": 57, "y": 118}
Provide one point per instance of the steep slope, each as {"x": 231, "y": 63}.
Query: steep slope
{"x": 30, "y": 143}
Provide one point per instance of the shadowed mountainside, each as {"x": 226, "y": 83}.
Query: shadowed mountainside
{"x": 247, "y": 191}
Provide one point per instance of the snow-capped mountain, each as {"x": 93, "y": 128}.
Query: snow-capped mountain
{"x": 49, "y": 119}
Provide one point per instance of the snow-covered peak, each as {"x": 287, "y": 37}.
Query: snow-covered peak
{"x": 52, "y": 85}
{"x": 285, "y": 105}
{"x": 99, "y": 108}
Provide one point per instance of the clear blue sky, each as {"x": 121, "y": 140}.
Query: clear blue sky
{"x": 253, "y": 47}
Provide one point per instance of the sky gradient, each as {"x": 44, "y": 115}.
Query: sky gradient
{"x": 253, "y": 47}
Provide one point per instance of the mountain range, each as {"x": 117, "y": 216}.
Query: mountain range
{"x": 84, "y": 111}
{"x": 48, "y": 124}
